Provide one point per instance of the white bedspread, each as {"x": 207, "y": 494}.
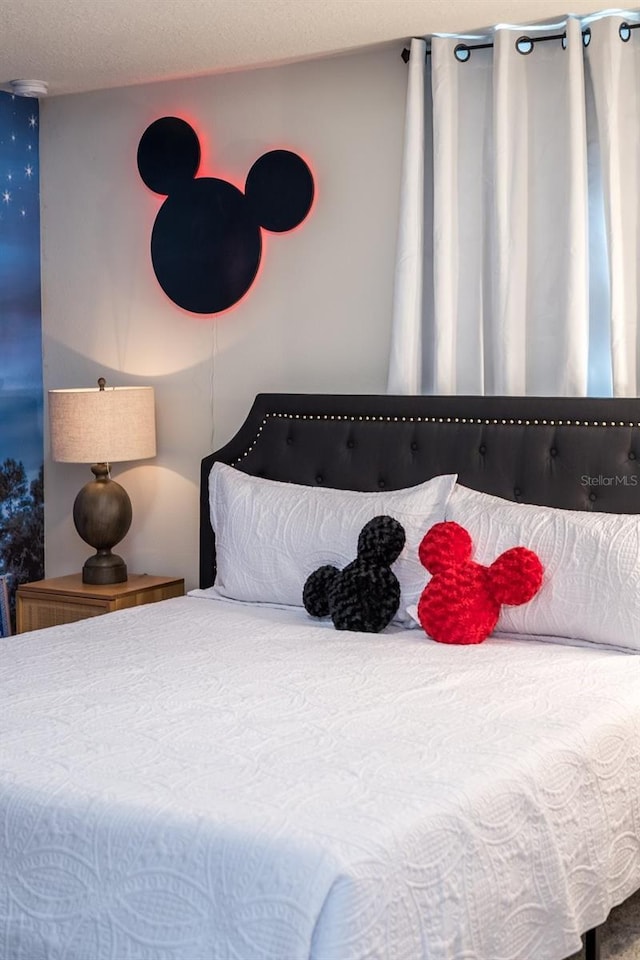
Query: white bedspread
{"x": 195, "y": 780}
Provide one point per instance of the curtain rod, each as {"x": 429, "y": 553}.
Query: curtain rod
{"x": 525, "y": 44}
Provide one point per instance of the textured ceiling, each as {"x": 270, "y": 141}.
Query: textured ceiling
{"x": 78, "y": 45}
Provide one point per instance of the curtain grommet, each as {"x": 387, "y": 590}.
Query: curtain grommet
{"x": 461, "y": 52}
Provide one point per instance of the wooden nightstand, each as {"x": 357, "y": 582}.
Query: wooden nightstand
{"x": 47, "y": 603}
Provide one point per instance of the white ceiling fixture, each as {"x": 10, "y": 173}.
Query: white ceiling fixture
{"x": 81, "y": 45}
{"x": 29, "y": 88}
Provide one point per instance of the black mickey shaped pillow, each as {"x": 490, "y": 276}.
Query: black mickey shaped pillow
{"x": 364, "y": 596}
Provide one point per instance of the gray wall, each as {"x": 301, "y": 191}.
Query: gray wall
{"x": 317, "y": 318}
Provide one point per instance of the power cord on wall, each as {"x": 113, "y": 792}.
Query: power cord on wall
{"x": 214, "y": 351}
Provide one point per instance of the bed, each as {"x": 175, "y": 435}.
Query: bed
{"x": 223, "y": 777}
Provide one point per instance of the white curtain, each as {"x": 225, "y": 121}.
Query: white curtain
{"x": 519, "y": 237}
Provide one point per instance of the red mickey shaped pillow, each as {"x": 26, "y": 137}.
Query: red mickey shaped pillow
{"x": 461, "y": 603}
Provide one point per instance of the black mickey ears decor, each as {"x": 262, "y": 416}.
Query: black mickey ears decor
{"x": 366, "y": 594}
{"x": 206, "y": 242}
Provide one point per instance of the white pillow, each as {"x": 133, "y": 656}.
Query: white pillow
{"x": 591, "y": 586}
{"x": 270, "y": 535}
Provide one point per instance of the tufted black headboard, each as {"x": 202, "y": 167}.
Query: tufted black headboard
{"x": 578, "y": 453}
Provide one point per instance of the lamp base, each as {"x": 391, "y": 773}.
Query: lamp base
{"x": 104, "y": 567}
{"x": 102, "y": 515}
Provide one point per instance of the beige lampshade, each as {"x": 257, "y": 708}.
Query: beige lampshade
{"x": 102, "y": 426}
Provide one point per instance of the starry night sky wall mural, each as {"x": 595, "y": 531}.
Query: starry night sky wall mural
{"x": 21, "y": 396}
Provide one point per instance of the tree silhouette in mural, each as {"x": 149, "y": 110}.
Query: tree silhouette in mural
{"x": 21, "y": 526}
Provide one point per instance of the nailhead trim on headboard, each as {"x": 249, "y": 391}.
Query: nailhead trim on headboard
{"x": 472, "y": 420}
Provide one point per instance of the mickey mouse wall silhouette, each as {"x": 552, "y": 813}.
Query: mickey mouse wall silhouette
{"x": 206, "y": 242}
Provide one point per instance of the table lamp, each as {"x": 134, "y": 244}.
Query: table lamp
{"x": 102, "y": 426}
